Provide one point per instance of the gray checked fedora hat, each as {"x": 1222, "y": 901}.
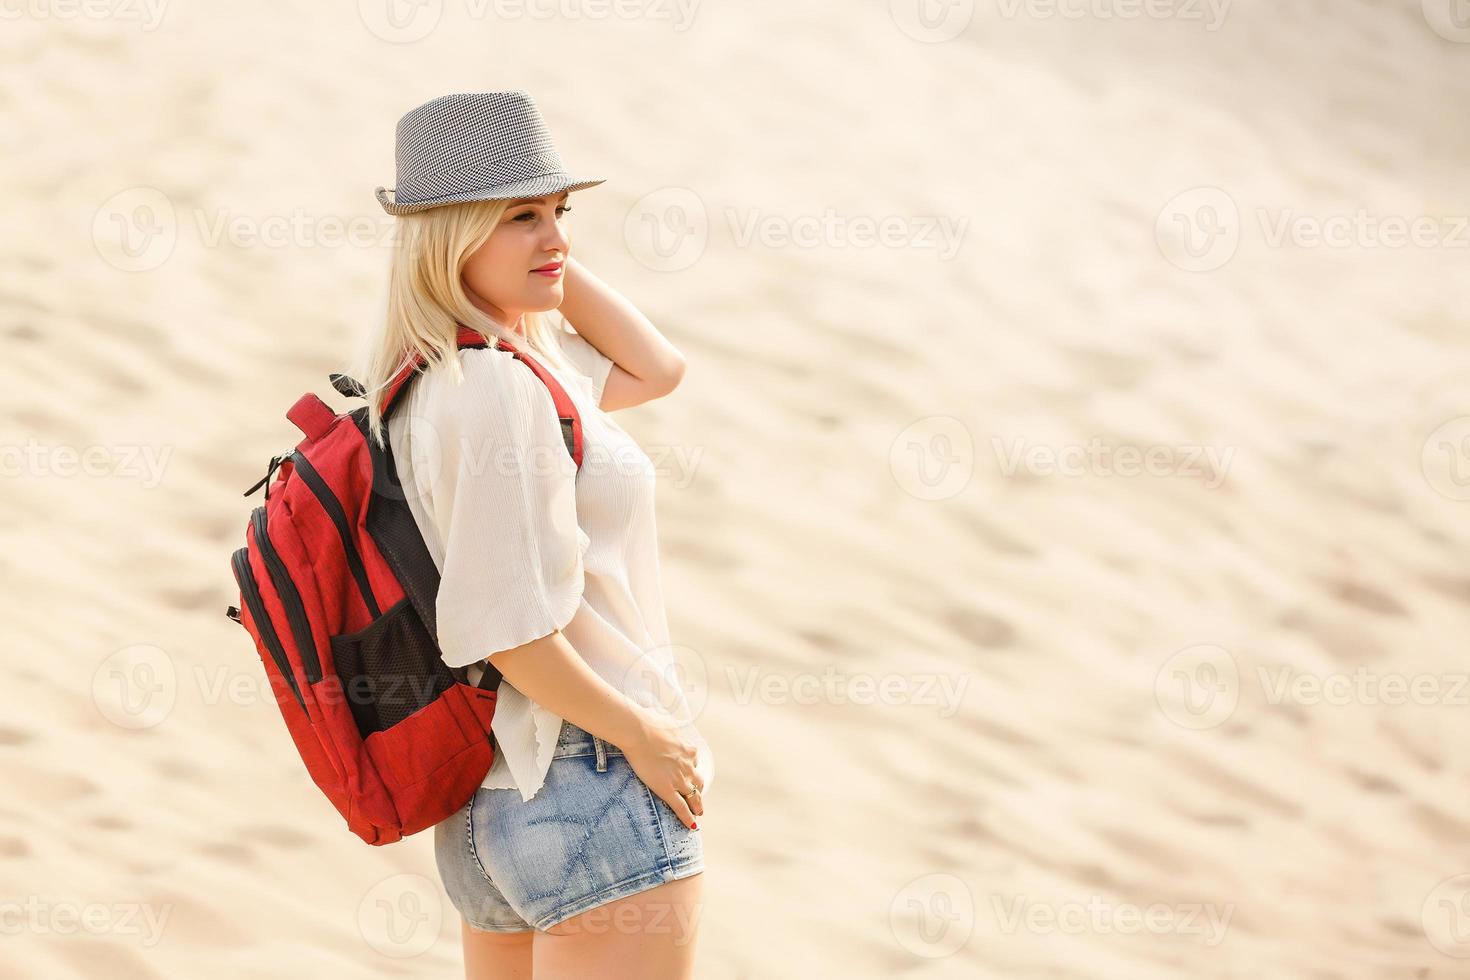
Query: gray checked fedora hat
{"x": 476, "y": 146}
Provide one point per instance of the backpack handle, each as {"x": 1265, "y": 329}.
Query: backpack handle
{"x": 312, "y": 416}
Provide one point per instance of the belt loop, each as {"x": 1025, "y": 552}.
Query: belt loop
{"x": 601, "y": 748}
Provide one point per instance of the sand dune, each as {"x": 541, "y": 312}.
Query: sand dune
{"x": 1064, "y": 513}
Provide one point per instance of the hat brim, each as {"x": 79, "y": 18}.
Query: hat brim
{"x": 532, "y": 187}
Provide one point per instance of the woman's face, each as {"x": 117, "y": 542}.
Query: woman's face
{"x": 501, "y": 276}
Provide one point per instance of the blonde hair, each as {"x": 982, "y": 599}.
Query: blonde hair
{"x": 427, "y": 300}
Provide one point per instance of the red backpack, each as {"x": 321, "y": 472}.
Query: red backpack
{"x": 337, "y": 590}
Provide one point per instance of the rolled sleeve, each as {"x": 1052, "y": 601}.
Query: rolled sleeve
{"x": 507, "y": 513}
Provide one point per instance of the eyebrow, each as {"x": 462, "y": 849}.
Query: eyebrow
{"x": 538, "y": 200}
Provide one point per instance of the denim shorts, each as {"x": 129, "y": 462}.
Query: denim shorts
{"x": 592, "y": 834}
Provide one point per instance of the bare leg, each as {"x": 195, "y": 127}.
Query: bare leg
{"x": 647, "y": 936}
{"x": 496, "y": 955}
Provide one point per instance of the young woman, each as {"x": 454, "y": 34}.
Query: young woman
{"x": 582, "y": 843}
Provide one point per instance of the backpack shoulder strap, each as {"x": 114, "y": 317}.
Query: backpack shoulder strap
{"x": 469, "y": 338}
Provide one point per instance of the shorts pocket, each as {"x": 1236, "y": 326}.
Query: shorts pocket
{"x": 389, "y": 669}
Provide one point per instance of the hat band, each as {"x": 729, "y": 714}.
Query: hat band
{"x": 470, "y": 176}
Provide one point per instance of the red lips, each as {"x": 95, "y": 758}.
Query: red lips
{"x": 548, "y": 267}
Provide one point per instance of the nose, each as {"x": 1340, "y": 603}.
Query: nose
{"x": 557, "y": 239}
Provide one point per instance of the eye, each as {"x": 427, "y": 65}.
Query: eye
{"x": 561, "y": 210}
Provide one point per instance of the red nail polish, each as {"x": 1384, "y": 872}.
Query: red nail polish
{"x": 694, "y": 826}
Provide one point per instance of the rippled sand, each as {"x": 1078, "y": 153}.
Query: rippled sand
{"x": 1071, "y": 568}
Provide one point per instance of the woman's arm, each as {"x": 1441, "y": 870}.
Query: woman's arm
{"x": 645, "y": 364}
{"x": 551, "y": 673}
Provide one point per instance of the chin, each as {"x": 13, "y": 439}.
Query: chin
{"x": 545, "y": 299}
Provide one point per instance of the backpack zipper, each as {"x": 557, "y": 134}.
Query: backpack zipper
{"x": 290, "y": 597}
{"x": 250, "y": 593}
{"x": 333, "y": 507}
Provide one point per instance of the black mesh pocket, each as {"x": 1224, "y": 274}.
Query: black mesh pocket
{"x": 390, "y": 669}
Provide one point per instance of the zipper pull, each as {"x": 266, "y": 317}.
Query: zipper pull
{"x": 270, "y": 472}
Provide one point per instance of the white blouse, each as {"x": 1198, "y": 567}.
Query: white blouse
{"x": 526, "y": 545}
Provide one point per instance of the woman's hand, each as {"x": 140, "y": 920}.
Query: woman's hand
{"x": 551, "y": 673}
{"x": 665, "y": 759}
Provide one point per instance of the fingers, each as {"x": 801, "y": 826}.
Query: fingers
{"x": 696, "y": 799}
{"x": 680, "y": 807}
